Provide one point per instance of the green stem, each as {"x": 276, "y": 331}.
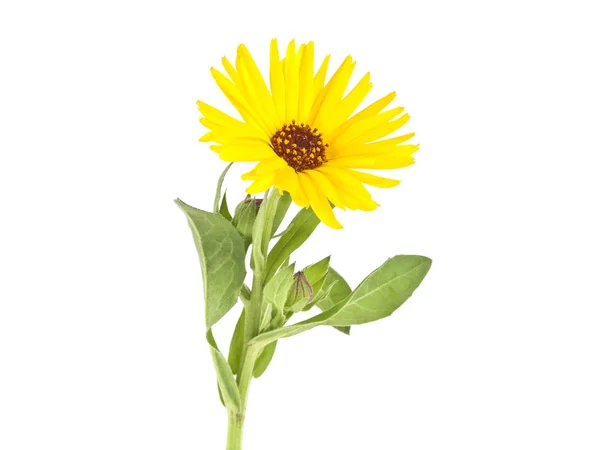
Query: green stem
{"x": 236, "y": 419}
{"x": 261, "y": 236}
{"x": 235, "y": 430}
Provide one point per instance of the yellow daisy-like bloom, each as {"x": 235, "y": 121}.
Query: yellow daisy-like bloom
{"x": 303, "y": 131}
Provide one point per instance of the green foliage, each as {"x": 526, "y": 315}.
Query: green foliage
{"x": 277, "y": 289}
{"x": 263, "y": 230}
{"x": 383, "y": 291}
{"x": 224, "y": 208}
{"x": 315, "y": 273}
{"x": 228, "y": 389}
{"x": 237, "y": 344}
{"x": 282, "y": 209}
{"x": 221, "y": 251}
{"x": 380, "y": 294}
{"x": 327, "y": 298}
{"x": 296, "y": 234}
{"x": 264, "y": 359}
{"x": 219, "y": 187}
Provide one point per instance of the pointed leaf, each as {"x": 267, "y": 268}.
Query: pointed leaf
{"x": 315, "y": 273}
{"x": 224, "y": 209}
{"x": 219, "y": 187}
{"x": 277, "y": 288}
{"x": 282, "y": 209}
{"x": 340, "y": 291}
{"x": 237, "y": 343}
{"x": 221, "y": 251}
{"x": 228, "y": 388}
{"x": 383, "y": 291}
{"x": 299, "y": 230}
{"x": 264, "y": 359}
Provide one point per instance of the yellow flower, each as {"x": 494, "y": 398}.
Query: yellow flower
{"x": 303, "y": 133}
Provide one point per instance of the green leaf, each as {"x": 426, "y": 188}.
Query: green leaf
{"x": 277, "y": 288}
{"x": 264, "y": 359}
{"x": 237, "y": 344}
{"x": 266, "y": 316}
{"x": 299, "y": 230}
{"x": 315, "y": 273}
{"x": 282, "y": 209}
{"x": 263, "y": 229}
{"x": 221, "y": 251}
{"x": 224, "y": 209}
{"x": 384, "y": 290}
{"x": 228, "y": 388}
{"x": 219, "y": 187}
{"x": 380, "y": 294}
{"x": 340, "y": 291}
{"x": 271, "y": 336}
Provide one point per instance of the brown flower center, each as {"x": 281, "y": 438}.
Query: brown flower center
{"x": 300, "y": 147}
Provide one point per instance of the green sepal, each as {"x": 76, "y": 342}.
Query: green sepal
{"x": 224, "y": 208}
{"x": 244, "y": 218}
{"x": 278, "y": 288}
{"x": 315, "y": 274}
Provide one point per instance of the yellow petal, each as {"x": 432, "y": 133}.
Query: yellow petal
{"x": 382, "y": 130}
{"x": 245, "y": 152}
{"x": 305, "y": 92}
{"x": 265, "y": 167}
{"x": 319, "y": 203}
{"x": 255, "y": 88}
{"x": 320, "y": 77}
{"x": 370, "y": 111}
{"x": 347, "y": 105}
{"x": 374, "y": 180}
{"x": 237, "y": 100}
{"x": 217, "y": 116}
{"x": 287, "y": 180}
{"x": 357, "y": 133}
{"x": 208, "y": 137}
{"x": 380, "y": 162}
{"x": 332, "y": 93}
{"x": 378, "y": 147}
{"x": 261, "y": 185}
{"x": 291, "y": 83}
{"x": 277, "y": 82}
{"x": 351, "y": 161}
{"x": 234, "y": 132}
{"x": 326, "y": 186}
{"x": 354, "y": 193}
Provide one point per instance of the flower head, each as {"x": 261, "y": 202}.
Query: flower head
{"x": 303, "y": 131}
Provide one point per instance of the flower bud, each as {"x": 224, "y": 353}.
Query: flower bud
{"x": 301, "y": 293}
{"x": 244, "y": 217}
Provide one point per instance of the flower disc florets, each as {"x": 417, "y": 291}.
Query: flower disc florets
{"x": 301, "y": 147}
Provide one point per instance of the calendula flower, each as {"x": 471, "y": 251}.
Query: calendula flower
{"x": 304, "y": 132}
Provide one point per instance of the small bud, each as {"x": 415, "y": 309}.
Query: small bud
{"x": 244, "y": 217}
{"x": 301, "y": 293}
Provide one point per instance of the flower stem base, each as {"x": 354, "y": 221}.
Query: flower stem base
{"x": 234, "y": 431}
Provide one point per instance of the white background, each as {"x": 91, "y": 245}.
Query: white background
{"x": 101, "y": 317}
